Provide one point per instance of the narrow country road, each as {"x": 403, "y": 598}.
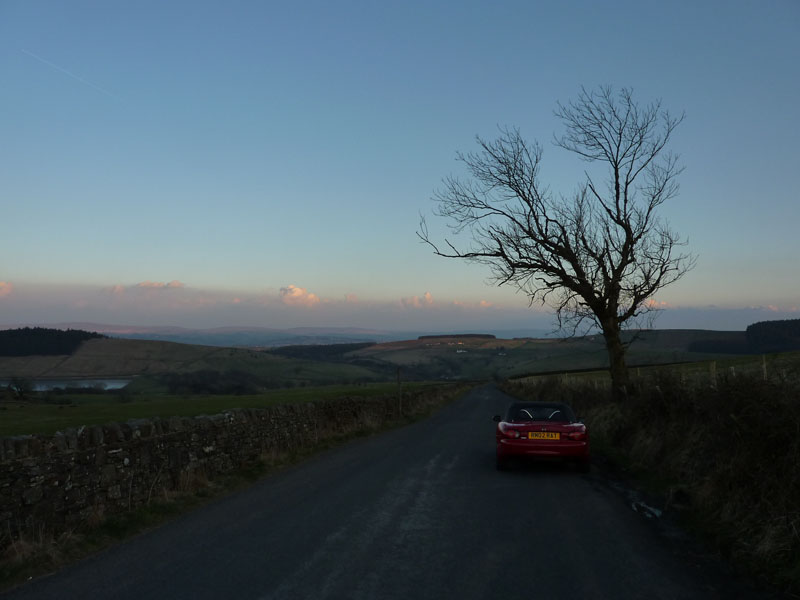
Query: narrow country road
{"x": 418, "y": 512}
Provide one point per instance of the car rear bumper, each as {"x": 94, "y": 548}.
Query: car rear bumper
{"x": 542, "y": 449}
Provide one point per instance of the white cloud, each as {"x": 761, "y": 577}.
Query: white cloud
{"x": 297, "y": 296}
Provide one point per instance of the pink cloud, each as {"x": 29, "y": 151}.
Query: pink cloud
{"x": 152, "y": 295}
{"x": 776, "y": 308}
{"x": 653, "y": 304}
{"x": 350, "y": 298}
{"x": 5, "y": 288}
{"x": 160, "y": 285}
{"x": 417, "y": 302}
{"x": 472, "y": 305}
{"x": 297, "y": 296}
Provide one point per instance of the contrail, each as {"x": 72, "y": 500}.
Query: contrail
{"x": 76, "y": 77}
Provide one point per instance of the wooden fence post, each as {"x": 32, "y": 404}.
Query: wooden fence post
{"x": 399, "y": 394}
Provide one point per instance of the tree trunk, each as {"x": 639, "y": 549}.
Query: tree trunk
{"x": 616, "y": 361}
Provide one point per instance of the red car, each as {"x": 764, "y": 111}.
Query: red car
{"x": 541, "y": 430}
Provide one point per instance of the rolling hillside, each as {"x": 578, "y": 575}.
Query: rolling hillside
{"x": 108, "y": 358}
{"x": 480, "y": 358}
{"x": 429, "y": 358}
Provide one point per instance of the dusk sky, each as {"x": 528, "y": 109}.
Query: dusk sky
{"x": 254, "y": 163}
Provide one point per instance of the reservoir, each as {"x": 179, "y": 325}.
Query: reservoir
{"x": 45, "y": 385}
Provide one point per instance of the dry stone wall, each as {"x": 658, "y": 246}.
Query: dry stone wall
{"x": 78, "y": 476}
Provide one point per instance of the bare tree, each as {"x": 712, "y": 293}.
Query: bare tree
{"x": 598, "y": 256}
{"x": 21, "y": 388}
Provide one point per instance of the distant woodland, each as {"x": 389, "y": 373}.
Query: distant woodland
{"x": 208, "y": 381}
{"x": 759, "y": 338}
{"x": 40, "y": 341}
{"x": 774, "y": 336}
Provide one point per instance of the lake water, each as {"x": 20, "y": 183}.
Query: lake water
{"x": 44, "y": 385}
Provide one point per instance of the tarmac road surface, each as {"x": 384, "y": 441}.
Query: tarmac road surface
{"x": 418, "y": 512}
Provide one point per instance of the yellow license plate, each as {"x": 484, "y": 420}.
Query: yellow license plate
{"x": 543, "y": 435}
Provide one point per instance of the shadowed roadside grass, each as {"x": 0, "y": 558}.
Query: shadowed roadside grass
{"x": 20, "y": 418}
{"x": 724, "y": 456}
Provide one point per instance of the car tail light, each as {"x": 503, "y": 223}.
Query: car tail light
{"x": 508, "y": 431}
{"x": 577, "y": 436}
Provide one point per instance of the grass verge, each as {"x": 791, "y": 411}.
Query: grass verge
{"x": 74, "y": 410}
{"x": 724, "y": 457}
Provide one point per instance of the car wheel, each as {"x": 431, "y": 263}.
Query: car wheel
{"x": 585, "y": 465}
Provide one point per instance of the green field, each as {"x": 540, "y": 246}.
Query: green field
{"x": 18, "y": 418}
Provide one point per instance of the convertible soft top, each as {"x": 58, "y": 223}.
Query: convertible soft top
{"x": 540, "y": 411}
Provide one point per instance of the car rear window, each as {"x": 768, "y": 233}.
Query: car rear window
{"x": 540, "y": 412}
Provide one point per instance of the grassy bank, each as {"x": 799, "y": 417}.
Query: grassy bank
{"x": 43, "y": 414}
{"x": 723, "y": 451}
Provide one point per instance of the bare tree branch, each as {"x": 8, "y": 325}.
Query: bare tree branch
{"x": 598, "y": 256}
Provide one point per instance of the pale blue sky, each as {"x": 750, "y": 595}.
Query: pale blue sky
{"x": 241, "y": 148}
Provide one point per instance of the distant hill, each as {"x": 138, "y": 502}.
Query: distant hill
{"x": 483, "y": 336}
{"x": 41, "y": 341}
{"x": 690, "y": 340}
{"x": 159, "y": 365}
{"x": 254, "y": 337}
{"x": 266, "y": 337}
{"x": 324, "y": 352}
